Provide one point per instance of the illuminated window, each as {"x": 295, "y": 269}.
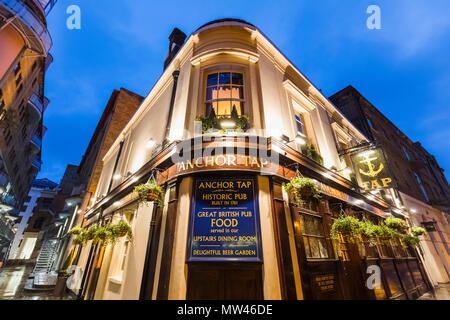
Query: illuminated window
{"x": 224, "y": 91}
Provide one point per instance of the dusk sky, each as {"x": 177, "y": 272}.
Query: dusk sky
{"x": 402, "y": 69}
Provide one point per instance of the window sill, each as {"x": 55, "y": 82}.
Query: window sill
{"x": 116, "y": 280}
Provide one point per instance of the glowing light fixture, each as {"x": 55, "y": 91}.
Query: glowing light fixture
{"x": 228, "y": 124}
{"x": 150, "y": 144}
{"x": 413, "y": 210}
{"x": 117, "y": 176}
{"x": 300, "y": 139}
{"x": 347, "y": 171}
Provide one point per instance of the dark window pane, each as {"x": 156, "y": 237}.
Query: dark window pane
{"x": 317, "y": 227}
{"x": 211, "y": 93}
{"x": 305, "y": 241}
{"x": 299, "y": 124}
{"x": 212, "y": 79}
{"x": 314, "y": 247}
{"x": 225, "y": 78}
{"x": 238, "y": 78}
{"x": 323, "y": 248}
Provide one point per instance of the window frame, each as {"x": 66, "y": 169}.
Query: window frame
{"x": 244, "y": 102}
{"x": 306, "y": 237}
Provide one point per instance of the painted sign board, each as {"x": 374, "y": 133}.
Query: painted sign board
{"x": 372, "y": 170}
{"x": 224, "y": 220}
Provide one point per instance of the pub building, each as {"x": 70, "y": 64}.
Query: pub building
{"x": 229, "y": 122}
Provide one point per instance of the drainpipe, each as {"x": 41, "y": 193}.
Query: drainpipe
{"x": 175, "y": 75}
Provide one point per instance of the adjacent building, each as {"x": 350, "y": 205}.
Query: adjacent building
{"x": 229, "y": 121}
{"x": 420, "y": 184}
{"x": 24, "y": 58}
{"x": 118, "y": 111}
{"x": 34, "y": 219}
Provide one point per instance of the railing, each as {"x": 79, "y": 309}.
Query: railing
{"x": 37, "y": 164}
{"x": 37, "y": 141}
{"x": 48, "y": 5}
{"x": 20, "y": 10}
{"x": 37, "y": 103}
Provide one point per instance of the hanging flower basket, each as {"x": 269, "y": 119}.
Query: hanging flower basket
{"x": 396, "y": 224}
{"x": 121, "y": 229}
{"x": 101, "y": 235}
{"x": 410, "y": 241}
{"x": 418, "y": 231}
{"x": 303, "y": 189}
{"x": 347, "y": 226}
{"x": 76, "y": 230}
{"x": 81, "y": 238}
{"x": 149, "y": 192}
{"x": 90, "y": 233}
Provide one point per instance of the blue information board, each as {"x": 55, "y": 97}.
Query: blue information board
{"x": 224, "y": 224}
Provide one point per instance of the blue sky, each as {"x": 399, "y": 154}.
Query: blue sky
{"x": 403, "y": 69}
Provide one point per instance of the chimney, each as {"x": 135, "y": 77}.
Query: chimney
{"x": 176, "y": 39}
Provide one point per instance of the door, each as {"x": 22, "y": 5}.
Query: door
{"x": 227, "y": 281}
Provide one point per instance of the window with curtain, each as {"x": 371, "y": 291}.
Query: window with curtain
{"x": 224, "y": 91}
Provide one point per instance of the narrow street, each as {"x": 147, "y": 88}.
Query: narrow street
{"x": 12, "y": 285}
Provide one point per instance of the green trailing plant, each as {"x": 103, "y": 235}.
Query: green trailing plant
{"x": 90, "y": 233}
{"x": 119, "y": 230}
{"x": 302, "y": 188}
{"x": 101, "y": 236}
{"x": 311, "y": 152}
{"x": 212, "y": 122}
{"x": 396, "y": 224}
{"x": 387, "y": 233}
{"x": 76, "y": 230}
{"x": 370, "y": 231}
{"x": 81, "y": 239}
{"x": 149, "y": 192}
{"x": 418, "y": 231}
{"x": 349, "y": 227}
{"x": 410, "y": 240}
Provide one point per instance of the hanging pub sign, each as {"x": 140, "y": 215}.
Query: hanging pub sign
{"x": 372, "y": 170}
{"x": 224, "y": 221}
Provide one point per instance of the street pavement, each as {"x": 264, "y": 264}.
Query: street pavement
{"x": 12, "y": 283}
{"x": 13, "y": 280}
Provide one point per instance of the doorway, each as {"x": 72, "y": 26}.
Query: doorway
{"x": 224, "y": 281}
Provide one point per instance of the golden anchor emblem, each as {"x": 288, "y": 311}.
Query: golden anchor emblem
{"x": 372, "y": 172}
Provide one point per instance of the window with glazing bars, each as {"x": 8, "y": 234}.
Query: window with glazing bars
{"x": 313, "y": 236}
{"x": 224, "y": 91}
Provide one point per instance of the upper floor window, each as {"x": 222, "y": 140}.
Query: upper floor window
{"x": 406, "y": 152}
{"x": 225, "y": 90}
{"x": 300, "y": 121}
